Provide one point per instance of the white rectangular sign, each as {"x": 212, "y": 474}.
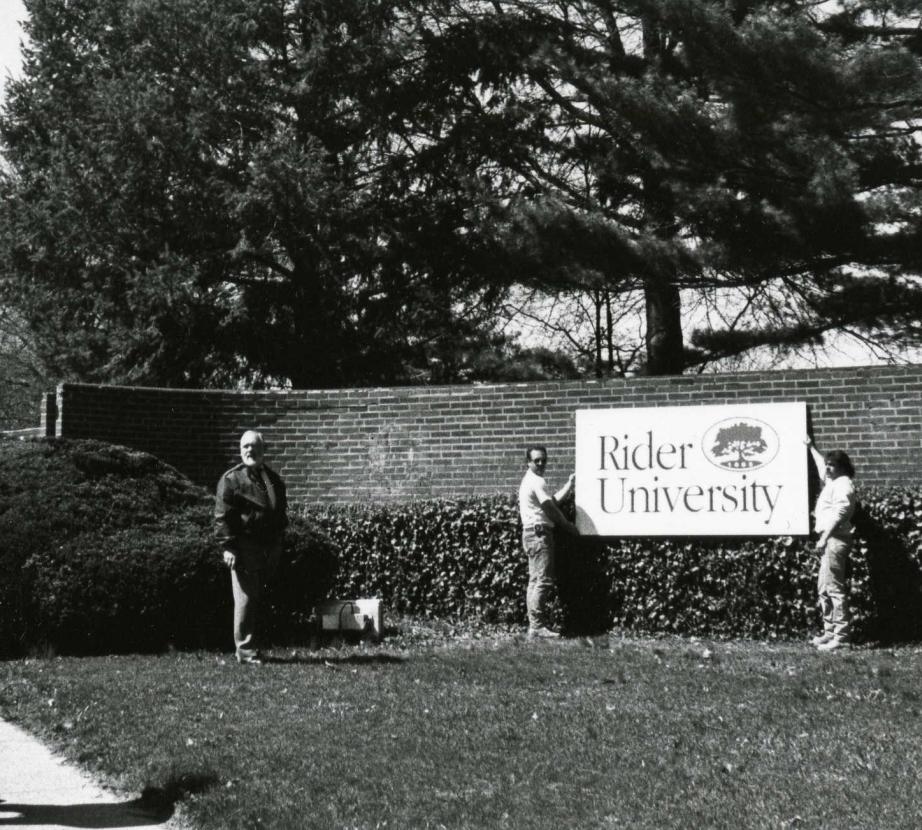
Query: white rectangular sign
{"x": 736, "y": 470}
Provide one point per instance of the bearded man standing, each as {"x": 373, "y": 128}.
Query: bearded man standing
{"x": 251, "y": 513}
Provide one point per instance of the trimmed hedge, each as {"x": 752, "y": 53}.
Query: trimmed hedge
{"x": 453, "y": 559}
{"x": 462, "y": 558}
{"x": 109, "y": 550}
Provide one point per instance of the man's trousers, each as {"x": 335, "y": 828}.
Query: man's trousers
{"x": 538, "y": 543}
{"x": 255, "y": 564}
{"x": 832, "y": 587}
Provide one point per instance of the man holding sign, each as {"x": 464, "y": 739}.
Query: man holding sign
{"x": 540, "y": 515}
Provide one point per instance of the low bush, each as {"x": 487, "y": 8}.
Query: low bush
{"x": 164, "y": 585}
{"x": 53, "y": 491}
{"x": 888, "y": 561}
{"x": 462, "y": 558}
{"x": 131, "y": 589}
{"x": 111, "y": 550}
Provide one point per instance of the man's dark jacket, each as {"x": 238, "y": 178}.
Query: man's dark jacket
{"x": 243, "y": 510}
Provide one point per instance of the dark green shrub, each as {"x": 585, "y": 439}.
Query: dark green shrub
{"x": 111, "y": 550}
{"x": 717, "y": 587}
{"x": 462, "y": 558}
{"x": 131, "y": 589}
{"x": 143, "y": 589}
{"x": 54, "y": 490}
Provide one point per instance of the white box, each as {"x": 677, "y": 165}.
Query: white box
{"x": 352, "y": 615}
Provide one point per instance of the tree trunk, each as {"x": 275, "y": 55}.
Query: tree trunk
{"x": 597, "y": 301}
{"x": 665, "y": 351}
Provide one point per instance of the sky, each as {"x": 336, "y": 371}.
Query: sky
{"x": 11, "y": 12}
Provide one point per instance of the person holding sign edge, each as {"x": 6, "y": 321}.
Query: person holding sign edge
{"x": 835, "y": 506}
{"x": 540, "y": 514}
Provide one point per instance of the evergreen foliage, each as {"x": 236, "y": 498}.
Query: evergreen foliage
{"x": 761, "y": 156}
{"x": 221, "y": 191}
{"x": 22, "y": 377}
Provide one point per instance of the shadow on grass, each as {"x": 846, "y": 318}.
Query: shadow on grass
{"x": 345, "y": 659}
{"x": 161, "y": 800}
{"x": 134, "y": 813}
{"x": 154, "y": 807}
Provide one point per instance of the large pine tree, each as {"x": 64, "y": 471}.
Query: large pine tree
{"x": 220, "y": 191}
{"x": 330, "y": 192}
{"x": 762, "y": 151}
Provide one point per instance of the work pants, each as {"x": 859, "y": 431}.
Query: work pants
{"x": 832, "y": 587}
{"x": 538, "y": 543}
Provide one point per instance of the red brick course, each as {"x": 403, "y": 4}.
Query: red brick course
{"x": 349, "y": 445}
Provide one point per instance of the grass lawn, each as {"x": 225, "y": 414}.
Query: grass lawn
{"x": 491, "y": 731}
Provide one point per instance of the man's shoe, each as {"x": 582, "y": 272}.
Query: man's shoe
{"x": 542, "y": 633}
{"x": 821, "y": 639}
{"x": 833, "y": 645}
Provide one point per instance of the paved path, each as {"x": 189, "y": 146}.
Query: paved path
{"x": 38, "y": 790}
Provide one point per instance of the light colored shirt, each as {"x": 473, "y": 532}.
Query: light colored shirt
{"x": 532, "y": 494}
{"x": 835, "y": 506}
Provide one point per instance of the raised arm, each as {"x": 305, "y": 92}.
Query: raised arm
{"x": 819, "y": 460}
{"x": 564, "y": 492}
{"x": 552, "y": 510}
{"x": 555, "y": 514}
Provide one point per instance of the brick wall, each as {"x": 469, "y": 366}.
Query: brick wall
{"x": 416, "y": 442}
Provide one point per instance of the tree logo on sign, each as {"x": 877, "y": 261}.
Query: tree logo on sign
{"x": 740, "y": 444}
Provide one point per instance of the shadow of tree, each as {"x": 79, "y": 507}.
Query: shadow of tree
{"x": 161, "y": 800}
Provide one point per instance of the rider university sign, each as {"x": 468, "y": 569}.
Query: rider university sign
{"x": 736, "y": 470}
